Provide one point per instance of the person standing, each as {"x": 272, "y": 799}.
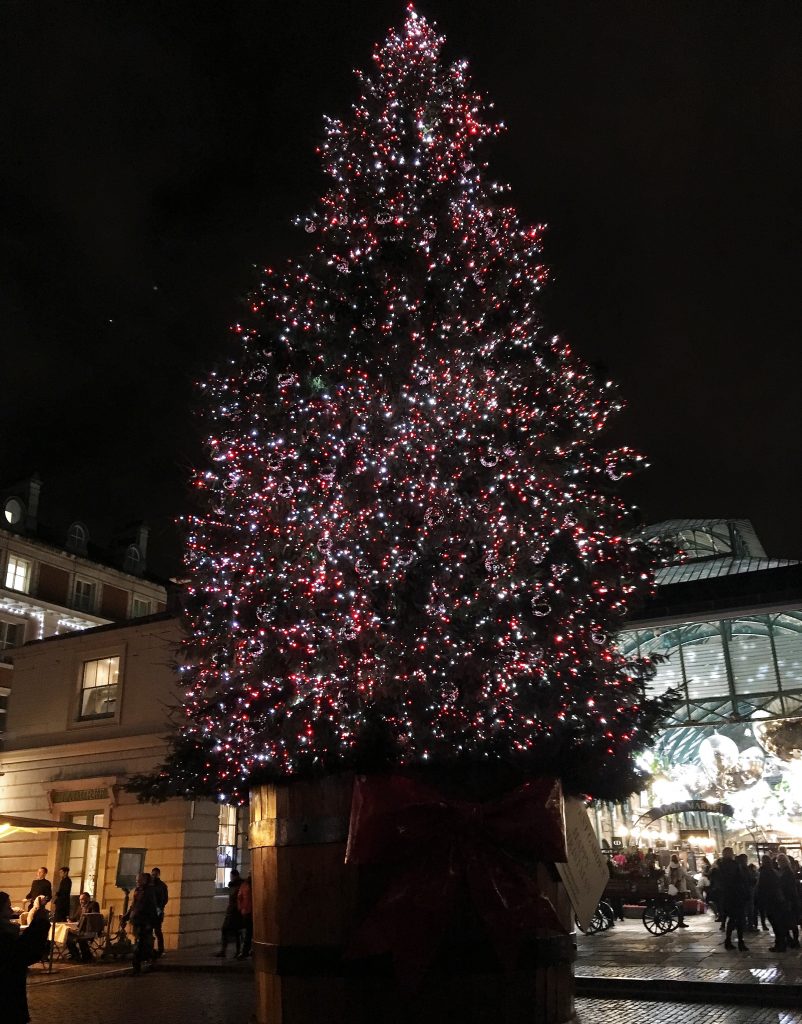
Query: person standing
{"x": 142, "y": 915}
{"x": 232, "y": 921}
{"x": 40, "y": 886}
{"x": 18, "y": 950}
{"x": 161, "y": 893}
{"x": 245, "y": 908}
{"x": 734, "y": 887}
{"x": 61, "y": 904}
{"x": 770, "y": 898}
{"x": 790, "y": 893}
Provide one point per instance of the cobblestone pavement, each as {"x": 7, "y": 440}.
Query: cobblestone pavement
{"x": 188, "y": 998}
{"x": 184, "y": 998}
{"x": 621, "y": 1011}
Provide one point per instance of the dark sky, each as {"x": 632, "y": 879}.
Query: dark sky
{"x": 152, "y": 152}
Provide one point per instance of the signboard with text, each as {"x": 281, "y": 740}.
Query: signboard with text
{"x": 585, "y": 874}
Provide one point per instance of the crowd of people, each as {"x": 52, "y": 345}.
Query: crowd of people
{"x": 743, "y": 894}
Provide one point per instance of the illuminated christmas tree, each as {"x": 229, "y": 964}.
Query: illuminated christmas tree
{"x": 410, "y": 550}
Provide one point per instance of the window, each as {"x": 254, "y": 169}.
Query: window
{"x": 84, "y": 595}
{"x": 227, "y": 840}
{"x": 140, "y": 606}
{"x": 18, "y": 574}
{"x": 14, "y": 511}
{"x": 11, "y": 634}
{"x": 99, "y": 684}
{"x": 133, "y": 558}
{"x": 77, "y": 537}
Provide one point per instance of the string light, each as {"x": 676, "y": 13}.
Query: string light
{"x": 410, "y": 547}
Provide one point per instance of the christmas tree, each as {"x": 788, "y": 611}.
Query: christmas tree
{"x": 410, "y": 551}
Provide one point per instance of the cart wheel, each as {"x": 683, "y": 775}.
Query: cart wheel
{"x": 656, "y": 919}
{"x": 597, "y": 923}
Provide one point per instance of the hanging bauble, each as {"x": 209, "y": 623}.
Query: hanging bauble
{"x": 491, "y": 564}
{"x": 349, "y": 631}
{"x": 509, "y": 451}
{"x": 489, "y": 459}
{"x": 287, "y": 380}
{"x": 232, "y": 482}
{"x": 540, "y": 607}
{"x": 782, "y": 738}
{"x": 538, "y": 554}
{"x": 491, "y": 230}
{"x": 342, "y": 266}
{"x": 405, "y": 558}
{"x": 598, "y": 637}
{"x": 273, "y": 462}
{"x": 310, "y": 226}
{"x": 343, "y": 218}
{"x": 369, "y": 322}
{"x": 327, "y": 473}
{"x": 433, "y": 516}
{"x": 718, "y": 753}
{"x": 259, "y": 374}
{"x": 324, "y": 545}
{"x": 749, "y": 769}
{"x": 449, "y": 693}
{"x": 256, "y": 647}
{"x": 285, "y": 489}
{"x": 362, "y": 567}
{"x": 429, "y": 233}
{"x": 265, "y": 613}
{"x": 384, "y": 217}
{"x": 614, "y": 473}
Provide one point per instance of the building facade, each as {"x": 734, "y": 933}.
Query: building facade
{"x": 54, "y": 582}
{"x": 88, "y": 710}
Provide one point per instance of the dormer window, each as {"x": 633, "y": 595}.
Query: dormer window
{"x": 14, "y": 511}
{"x": 133, "y": 558}
{"x": 77, "y": 538}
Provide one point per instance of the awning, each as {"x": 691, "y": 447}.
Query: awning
{"x": 10, "y": 823}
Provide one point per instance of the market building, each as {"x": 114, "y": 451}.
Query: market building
{"x": 728, "y": 621}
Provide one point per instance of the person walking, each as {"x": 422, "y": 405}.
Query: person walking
{"x": 770, "y": 898}
{"x": 18, "y": 950}
{"x": 245, "y": 908}
{"x": 161, "y": 893}
{"x": 678, "y": 882}
{"x": 790, "y": 892}
{"x": 61, "y": 904}
{"x": 40, "y": 886}
{"x": 232, "y": 921}
{"x": 143, "y": 917}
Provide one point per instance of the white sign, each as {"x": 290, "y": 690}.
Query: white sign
{"x": 585, "y": 874}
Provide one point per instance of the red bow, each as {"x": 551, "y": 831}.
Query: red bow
{"x": 443, "y": 848}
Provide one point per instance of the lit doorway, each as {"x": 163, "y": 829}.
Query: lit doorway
{"x": 81, "y": 851}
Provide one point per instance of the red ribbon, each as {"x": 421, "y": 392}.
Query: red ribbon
{"x": 442, "y": 848}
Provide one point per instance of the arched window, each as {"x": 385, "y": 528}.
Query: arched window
{"x": 77, "y": 537}
{"x": 133, "y": 558}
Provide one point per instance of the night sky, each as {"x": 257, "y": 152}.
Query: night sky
{"x": 153, "y": 152}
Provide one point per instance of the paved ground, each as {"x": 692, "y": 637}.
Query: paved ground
{"x": 694, "y": 978}
{"x": 182, "y": 998}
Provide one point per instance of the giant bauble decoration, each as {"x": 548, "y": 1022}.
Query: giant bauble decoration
{"x": 782, "y": 738}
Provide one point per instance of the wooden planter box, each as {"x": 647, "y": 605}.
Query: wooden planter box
{"x": 308, "y": 904}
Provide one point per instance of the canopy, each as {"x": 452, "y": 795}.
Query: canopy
{"x": 10, "y": 823}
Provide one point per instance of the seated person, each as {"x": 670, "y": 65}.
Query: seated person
{"x": 77, "y": 946}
